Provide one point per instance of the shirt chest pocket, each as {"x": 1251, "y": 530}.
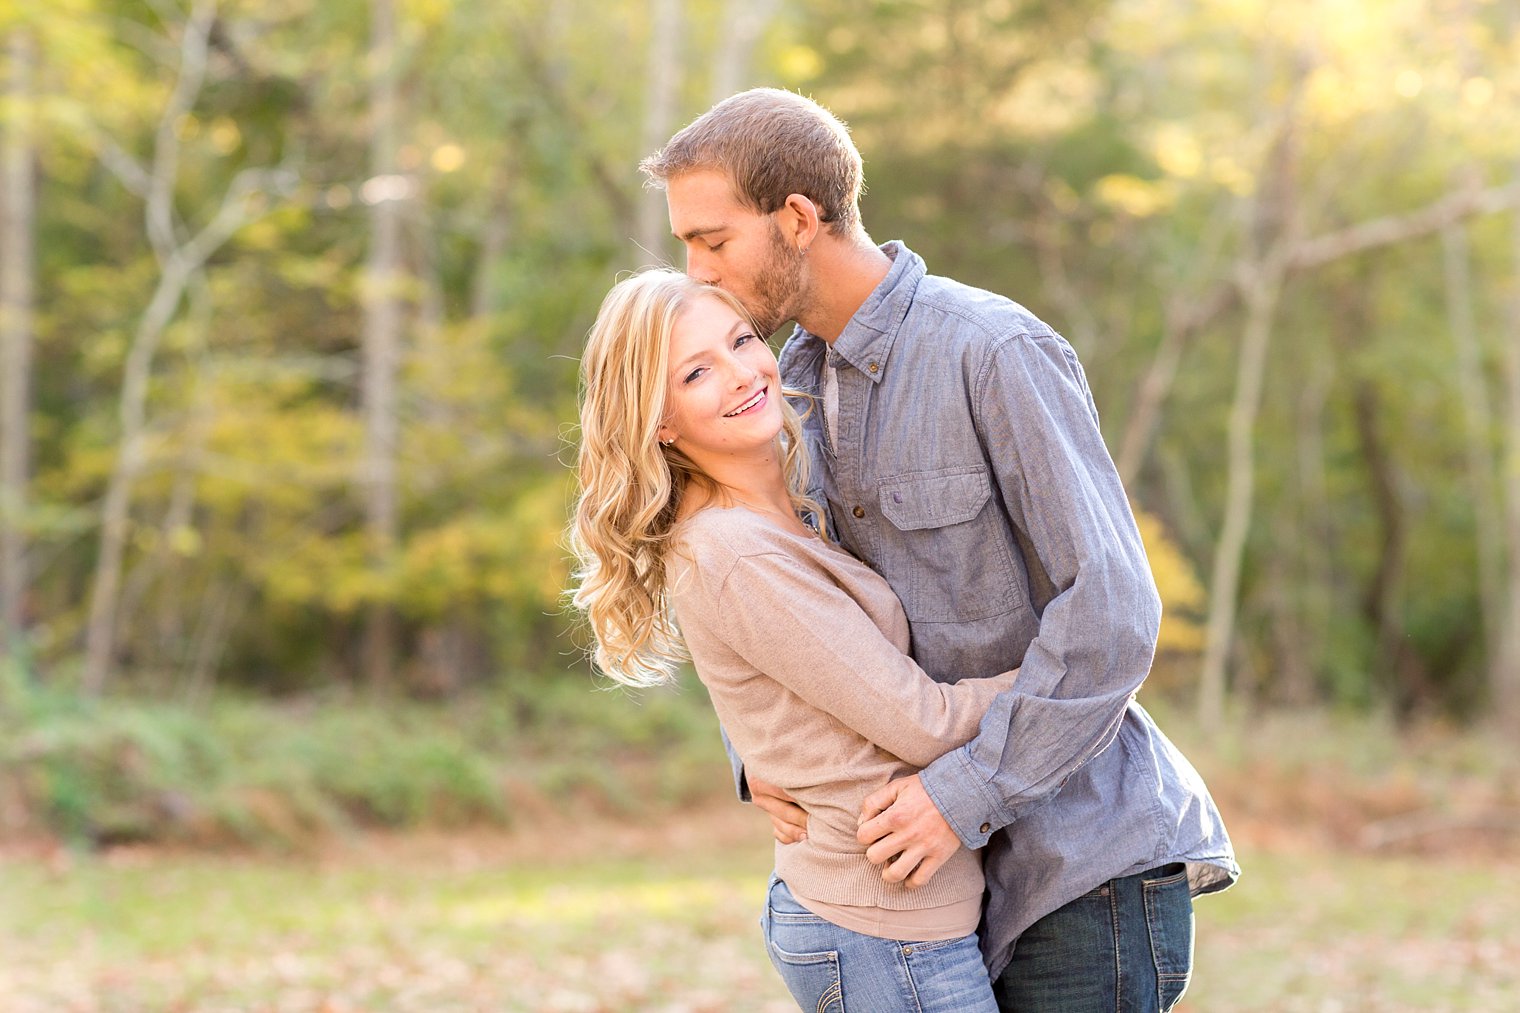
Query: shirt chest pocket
{"x": 946, "y": 552}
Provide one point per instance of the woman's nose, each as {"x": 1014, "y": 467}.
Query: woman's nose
{"x": 741, "y": 374}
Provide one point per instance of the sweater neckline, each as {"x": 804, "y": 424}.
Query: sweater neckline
{"x": 769, "y": 519}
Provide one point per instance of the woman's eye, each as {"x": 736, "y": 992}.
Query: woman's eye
{"x": 741, "y": 339}
{"x": 715, "y": 247}
{"x": 692, "y": 375}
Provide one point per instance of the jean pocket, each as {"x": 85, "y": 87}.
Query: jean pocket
{"x": 1169, "y": 918}
{"x": 812, "y": 978}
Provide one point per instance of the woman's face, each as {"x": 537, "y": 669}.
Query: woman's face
{"x": 723, "y": 393}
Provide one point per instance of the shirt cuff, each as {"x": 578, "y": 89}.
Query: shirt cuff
{"x": 963, "y": 798}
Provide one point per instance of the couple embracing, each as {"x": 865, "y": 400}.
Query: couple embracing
{"x": 904, "y": 567}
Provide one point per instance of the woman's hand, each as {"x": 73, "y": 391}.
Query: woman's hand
{"x": 788, "y": 819}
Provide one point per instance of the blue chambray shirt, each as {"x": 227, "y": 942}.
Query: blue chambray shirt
{"x": 970, "y": 472}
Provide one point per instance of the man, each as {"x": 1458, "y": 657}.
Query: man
{"x": 959, "y": 454}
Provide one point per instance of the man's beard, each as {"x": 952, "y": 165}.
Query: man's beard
{"x": 778, "y": 286}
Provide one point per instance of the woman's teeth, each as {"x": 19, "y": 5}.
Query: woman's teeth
{"x": 746, "y": 406}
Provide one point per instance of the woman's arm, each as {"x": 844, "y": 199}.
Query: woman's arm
{"x": 796, "y": 625}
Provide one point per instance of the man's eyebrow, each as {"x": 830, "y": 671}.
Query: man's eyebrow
{"x": 691, "y": 234}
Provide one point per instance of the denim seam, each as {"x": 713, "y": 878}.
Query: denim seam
{"x": 903, "y": 952}
{"x": 1113, "y": 913}
{"x": 834, "y": 993}
{"x": 1150, "y": 895}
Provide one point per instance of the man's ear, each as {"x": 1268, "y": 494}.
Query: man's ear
{"x": 799, "y": 221}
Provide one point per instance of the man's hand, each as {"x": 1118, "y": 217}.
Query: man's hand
{"x": 788, "y": 819}
{"x": 906, "y": 831}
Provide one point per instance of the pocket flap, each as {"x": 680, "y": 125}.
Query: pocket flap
{"x": 935, "y": 500}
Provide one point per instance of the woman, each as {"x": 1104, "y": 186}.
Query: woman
{"x": 690, "y": 538}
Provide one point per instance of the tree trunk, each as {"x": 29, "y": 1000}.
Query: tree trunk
{"x": 174, "y": 276}
{"x": 100, "y": 635}
{"x": 1224, "y": 586}
{"x": 1473, "y": 391}
{"x": 1183, "y": 318}
{"x": 1506, "y": 674}
{"x": 1383, "y": 600}
{"x": 382, "y": 337}
{"x": 660, "y": 84}
{"x": 17, "y": 296}
{"x": 1316, "y": 527}
{"x": 179, "y": 259}
{"x": 743, "y": 23}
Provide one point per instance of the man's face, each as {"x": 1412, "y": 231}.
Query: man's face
{"x": 736, "y": 248}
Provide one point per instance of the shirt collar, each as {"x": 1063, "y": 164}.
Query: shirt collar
{"x": 867, "y": 339}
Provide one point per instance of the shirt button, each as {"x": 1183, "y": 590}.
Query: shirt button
{"x": 873, "y": 367}
{"x": 907, "y": 951}
{"x": 859, "y": 511}
{"x": 986, "y": 828}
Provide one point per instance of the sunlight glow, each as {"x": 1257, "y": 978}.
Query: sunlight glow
{"x": 448, "y": 158}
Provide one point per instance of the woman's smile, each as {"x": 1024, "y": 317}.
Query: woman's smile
{"x": 758, "y": 401}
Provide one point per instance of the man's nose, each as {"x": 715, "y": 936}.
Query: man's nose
{"x": 700, "y": 267}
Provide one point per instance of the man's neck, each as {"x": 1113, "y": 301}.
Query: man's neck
{"x": 842, "y": 274}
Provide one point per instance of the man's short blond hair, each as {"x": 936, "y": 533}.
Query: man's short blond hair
{"x": 771, "y": 144}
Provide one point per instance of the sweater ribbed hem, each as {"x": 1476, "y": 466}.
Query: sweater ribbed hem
{"x": 847, "y": 878}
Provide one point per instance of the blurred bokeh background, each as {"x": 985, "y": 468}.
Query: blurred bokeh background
{"x": 291, "y": 298}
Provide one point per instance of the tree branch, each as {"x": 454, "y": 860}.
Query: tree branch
{"x": 123, "y": 166}
{"x": 617, "y": 194}
{"x": 1392, "y": 229}
{"x": 192, "y": 74}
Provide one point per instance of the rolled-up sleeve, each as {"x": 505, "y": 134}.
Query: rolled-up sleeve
{"x": 1097, "y": 633}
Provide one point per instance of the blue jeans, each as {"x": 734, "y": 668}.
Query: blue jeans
{"x": 829, "y": 969}
{"x": 1126, "y": 947}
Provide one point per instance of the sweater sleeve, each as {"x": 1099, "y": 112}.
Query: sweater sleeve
{"x": 797, "y": 626}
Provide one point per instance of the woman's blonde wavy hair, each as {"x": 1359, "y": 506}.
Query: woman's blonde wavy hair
{"x": 631, "y": 485}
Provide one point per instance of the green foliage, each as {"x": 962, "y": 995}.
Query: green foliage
{"x": 287, "y": 773}
{"x": 645, "y": 914}
{"x": 1182, "y": 596}
{"x": 1109, "y": 163}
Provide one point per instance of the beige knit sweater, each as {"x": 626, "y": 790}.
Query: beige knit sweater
{"x": 803, "y": 649}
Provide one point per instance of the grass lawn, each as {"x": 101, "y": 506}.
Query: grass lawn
{"x": 601, "y": 917}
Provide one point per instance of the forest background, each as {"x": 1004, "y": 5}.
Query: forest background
{"x": 292, "y": 294}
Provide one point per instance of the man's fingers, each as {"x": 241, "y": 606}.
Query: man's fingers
{"x": 783, "y": 812}
{"x": 788, "y": 822}
{"x": 785, "y": 833}
{"x": 902, "y": 866}
{"x": 759, "y": 788}
{"x": 883, "y": 822}
{"x": 924, "y": 872}
{"x": 883, "y": 850}
{"x": 876, "y": 803}
{"x": 871, "y": 832}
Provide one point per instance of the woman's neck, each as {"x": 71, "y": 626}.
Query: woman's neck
{"x": 759, "y": 487}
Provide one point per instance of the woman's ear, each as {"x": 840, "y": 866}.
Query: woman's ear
{"x": 799, "y": 221}
{"x": 665, "y": 435}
